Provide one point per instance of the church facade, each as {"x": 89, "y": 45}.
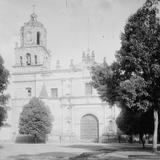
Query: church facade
{"x": 78, "y": 112}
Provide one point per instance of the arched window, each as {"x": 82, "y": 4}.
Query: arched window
{"x": 21, "y": 60}
{"x": 38, "y": 38}
{"x": 35, "y": 58}
{"x": 28, "y": 57}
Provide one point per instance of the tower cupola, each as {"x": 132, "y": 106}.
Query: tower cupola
{"x": 33, "y": 33}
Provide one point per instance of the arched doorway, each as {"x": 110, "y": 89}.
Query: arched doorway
{"x": 89, "y": 128}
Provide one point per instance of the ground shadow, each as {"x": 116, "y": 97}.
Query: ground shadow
{"x": 113, "y": 147}
{"x": 137, "y": 147}
{"x": 91, "y": 147}
{"x": 27, "y": 139}
{"x": 43, "y": 156}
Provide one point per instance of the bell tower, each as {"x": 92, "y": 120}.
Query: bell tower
{"x": 33, "y": 33}
{"x": 32, "y": 51}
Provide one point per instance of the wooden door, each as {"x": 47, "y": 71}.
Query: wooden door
{"x": 89, "y": 128}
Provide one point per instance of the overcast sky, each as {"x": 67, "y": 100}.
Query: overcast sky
{"x": 66, "y": 22}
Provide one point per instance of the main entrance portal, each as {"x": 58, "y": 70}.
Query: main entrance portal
{"x": 89, "y": 128}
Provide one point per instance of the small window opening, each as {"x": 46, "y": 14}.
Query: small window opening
{"x": 38, "y": 38}
{"x": 54, "y": 92}
{"x": 28, "y": 56}
{"x": 21, "y": 60}
{"x": 35, "y": 57}
{"x": 88, "y": 89}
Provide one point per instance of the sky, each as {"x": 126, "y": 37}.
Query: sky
{"x": 70, "y": 25}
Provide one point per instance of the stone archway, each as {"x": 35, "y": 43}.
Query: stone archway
{"x": 89, "y": 128}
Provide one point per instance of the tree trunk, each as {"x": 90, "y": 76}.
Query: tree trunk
{"x": 155, "y": 112}
{"x": 131, "y": 139}
{"x": 119, "y": 138}
{"x": 35, "y": 138}
{"x": 142, "y": 140}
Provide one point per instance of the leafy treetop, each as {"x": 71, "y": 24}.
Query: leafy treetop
{"x": 35, "y": 119}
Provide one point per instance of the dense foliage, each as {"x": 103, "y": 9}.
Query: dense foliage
{"x": 133, "y": 80}
{"x": 4, "y": 74}
{"x": 35, "y": 119}
{"x": 136, "y": 123}
{"x": 132, "y": 122}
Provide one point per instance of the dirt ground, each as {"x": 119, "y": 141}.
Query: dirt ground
{"x": 92, "y": 151}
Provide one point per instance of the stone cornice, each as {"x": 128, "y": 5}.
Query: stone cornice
{"x": 52, "y": 79}
{"x": 45, "y": 72}
{"x": 33, "y": 46}
{"x": 63, "y": 97}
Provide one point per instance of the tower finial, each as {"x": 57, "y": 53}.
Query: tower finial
{"x": 33, "y": 7}
{"x": 33, "y": 15}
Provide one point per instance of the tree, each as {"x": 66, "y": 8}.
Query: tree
{"x": 135, "y": 123}
{"x": 35, "y": 119}
{"x": 133, "y": 80}
{"x": 4, "y": 74}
